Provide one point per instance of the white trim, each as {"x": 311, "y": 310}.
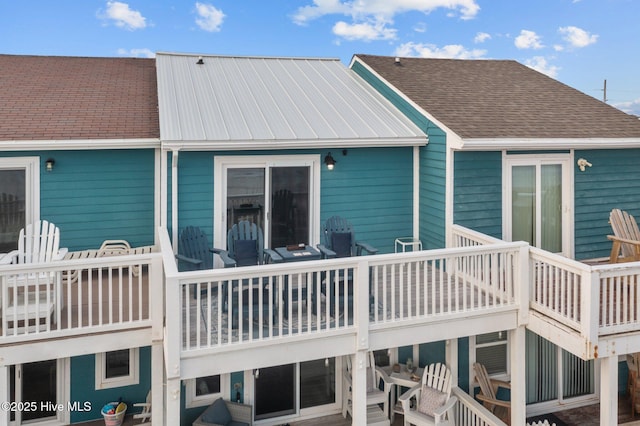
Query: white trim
{"x": 31, "y": 166}
{"x": 133, "y": 378}
{"x": 157, "y": 194}
{"x": 537, "y": 160}
{"x": 416, "y": 192}
{"x": 174, "y": 200}
{"x": 223, "y": 163}
{"x": 75, "y": 144}
{"x": 494, "y": 144}
{"x": 191, "y": 400}
{"x": 243, "y": 145}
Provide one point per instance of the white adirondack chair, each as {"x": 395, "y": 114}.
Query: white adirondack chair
{"x": 145, "y": 415}
{"x": 433, "y": 404}
{"x": 29, "y": 300}
{"x": 375, "y": 395}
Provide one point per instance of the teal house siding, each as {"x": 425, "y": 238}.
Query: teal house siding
{"x": 432, "y": 164}
{"x": 478, "y": 191}
{"x": 83, "y": 387}
{"x": 98, "y": 195}
{"x": 612, "y": 182}
{"x": 372, "y": 188}
{"x": 432, "y": 190}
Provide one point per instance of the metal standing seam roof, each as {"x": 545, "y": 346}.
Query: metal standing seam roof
{"x": 262, "y": 102}
{"x": 501, "y": 99}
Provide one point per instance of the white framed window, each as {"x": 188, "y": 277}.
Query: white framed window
{"x": 280, "y": 193}
{"x": 203, "y": 391}
{"x": 117, "y": 368}
{"x": 19, "y": 197}
{"x": 538, "y": 201}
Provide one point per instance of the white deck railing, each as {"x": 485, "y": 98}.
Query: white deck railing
{"x": 594, "y": 300}
{"x": 73, "y": 297}
{"x": 470, "y": 412}
{"x": 258, "y": 304}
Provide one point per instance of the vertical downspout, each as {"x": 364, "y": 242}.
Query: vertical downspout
{"x": 416, "y": 192}
{"x": 174, "y": 200}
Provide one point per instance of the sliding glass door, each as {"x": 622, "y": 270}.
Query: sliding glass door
{"x": 279, "y": 194}
{"x": 538, "y": 203}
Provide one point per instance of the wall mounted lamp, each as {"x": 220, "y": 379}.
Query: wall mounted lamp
{"x": 582, "y": 163}
{"x": 49, "y": 164}
{"x": 329, "y": 161}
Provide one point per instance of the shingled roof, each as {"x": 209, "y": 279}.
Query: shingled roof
{"x": 66, "y": 98}
{"x": 497, "y": 99}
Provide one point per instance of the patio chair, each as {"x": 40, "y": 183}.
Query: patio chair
{"x": 194, "y": 252}
{"x": 245, "y": 245}
{"x": 433, "y": 403}
{"x": 340, "y": 241}
{"x": 222, "y": 413}
{"x": 31, "y": 298}
{"x": 626, "y": 241}
{"x": 633, "y": 381}
{"x": 488, "y": 390}
{"x": 145, "y": 414}
{"x": 375, "y": 394}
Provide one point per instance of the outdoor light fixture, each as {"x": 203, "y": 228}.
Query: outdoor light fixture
{"x": 582, "y": 163}
{"x": 329, "y": 161}
{"x": 256, "y": 373}
{"x": 49, "y": 164}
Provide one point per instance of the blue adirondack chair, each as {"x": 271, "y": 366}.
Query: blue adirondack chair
{"x": 194, "y": 252}
{"x": 245, "y": 244}
{"x": 340, "y": 241}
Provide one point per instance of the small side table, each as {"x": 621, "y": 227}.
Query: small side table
{"x": 403, "y": 242}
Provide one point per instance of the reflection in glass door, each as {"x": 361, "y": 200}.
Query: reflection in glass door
{"x": 289, "y": 206}
{"x": 275, "y": 391}
{"x": 284, "y": 215}
{"x": 12, "y": 207}
{"x": 35, "y": 383}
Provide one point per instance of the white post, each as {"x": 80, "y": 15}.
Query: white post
{"x": 359, "y": 388}
{"x": 609, "y": 390}
{"x": 451, "y": 356}
{"x": 518, "y": 376}
{"x": 172, "y": 404}
{"x": 174, "y": 200}
{"x": 157, "y": 383}
{"x": 4, "y": 394}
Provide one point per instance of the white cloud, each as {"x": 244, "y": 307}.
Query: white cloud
{"x": 364, "y": 31}
{"x": 124, "y": 17}
{"x": 482, "y": 37}
{"x": 539, "y": 63}
{"x": 420, "y": 27}
{"x": 137, "y": 53}
{"x": 577, "y": 37}
{"x": 381, "y": 9}
{"x": 451, "y": 51}
{"x": 630, "y": 107}
{"x": 210, "y": 19}
{"x": 528, "y": 40}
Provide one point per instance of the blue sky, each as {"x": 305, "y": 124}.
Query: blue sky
{"x": 581, "y": 43}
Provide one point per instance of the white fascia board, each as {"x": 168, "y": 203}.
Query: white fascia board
{"x": 453, "y": 139}
{"x": 491, "y": 144}
{"x": 290, "y": 144}
{"x": 75, "y": 144}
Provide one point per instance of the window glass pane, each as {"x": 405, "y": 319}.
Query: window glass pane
{"x": 498, "y": 336}
{"x": 207, "y": 385}
{"x": 12, "y": 208}
{"x": 117, "y": 364}
{"x": 275, "y": 392}
{"x": 39, "y": 384}
{"x": 551, "y": 198}
{"x": 317, "y": 383}
{"x": 493, "y": 357}
{"x": 245, "y": 196}
{"x": 382, "y": 358}
{"x": 523, "y": 196}
{"x": 289, "y": 206}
